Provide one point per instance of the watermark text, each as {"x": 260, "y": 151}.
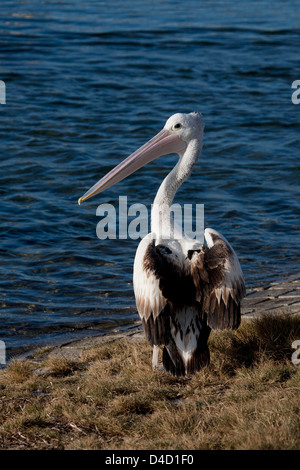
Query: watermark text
{"x": 2, "y": 353}
{"x": 2, "y": 92}
{"x": 177, "y": 221}
{"x": 296, "y": 354}
{"x": 296, "y": 93}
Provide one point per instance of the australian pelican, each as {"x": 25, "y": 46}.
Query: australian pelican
{"x": 182, "y": 287}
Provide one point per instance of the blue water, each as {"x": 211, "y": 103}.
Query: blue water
{"x": 86, "y": 84}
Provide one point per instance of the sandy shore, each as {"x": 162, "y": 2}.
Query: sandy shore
{"x": 277, "y": 297}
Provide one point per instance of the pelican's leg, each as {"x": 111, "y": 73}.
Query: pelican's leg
{"x": 155, "y": 357}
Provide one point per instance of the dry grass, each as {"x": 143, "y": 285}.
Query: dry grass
{"x": 248, "y": 398}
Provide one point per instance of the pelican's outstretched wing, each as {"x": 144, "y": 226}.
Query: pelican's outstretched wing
{"x": 148, "y": 296}
{"x": 219, "y": 281}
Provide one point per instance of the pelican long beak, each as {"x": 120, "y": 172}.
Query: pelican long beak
{"x": 163, "y": 143}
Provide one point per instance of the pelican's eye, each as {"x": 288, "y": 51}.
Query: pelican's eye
{"x": 177, "y": 126}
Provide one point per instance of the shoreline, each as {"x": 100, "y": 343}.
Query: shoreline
{"x": 277, "y": 297}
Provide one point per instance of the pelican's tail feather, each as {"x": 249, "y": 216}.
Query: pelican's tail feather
{"x": 172, "y": 360}
{"x": 174, "y": 363}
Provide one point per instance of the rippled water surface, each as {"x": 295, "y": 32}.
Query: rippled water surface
{"x": 86, "y": 84}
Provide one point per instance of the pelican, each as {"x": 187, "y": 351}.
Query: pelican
{"x": 183, "y": 288}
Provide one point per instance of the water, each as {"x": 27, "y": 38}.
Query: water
{"x": 89, "y": 82}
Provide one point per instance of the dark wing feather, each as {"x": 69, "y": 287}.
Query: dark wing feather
{"x": 162, "y": 286}
{"x": 219, "y": 281}
{"x": 175, "y": 283}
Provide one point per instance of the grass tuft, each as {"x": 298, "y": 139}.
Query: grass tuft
{"x": 19, "y": 371}
{"x": 61, "y": 366}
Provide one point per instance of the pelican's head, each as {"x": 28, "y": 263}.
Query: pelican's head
{"x": 186, "y": 126}
{"x": 177, "y": 133}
